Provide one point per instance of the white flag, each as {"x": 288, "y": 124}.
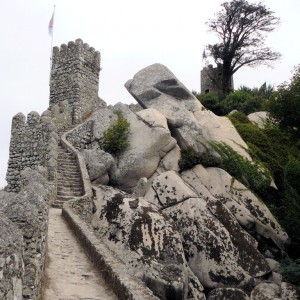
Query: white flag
{"x": 50, "y": 27}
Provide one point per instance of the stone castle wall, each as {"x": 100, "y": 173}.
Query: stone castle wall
{"x": 75, "y": 78}
{"x": 33, "y": 143}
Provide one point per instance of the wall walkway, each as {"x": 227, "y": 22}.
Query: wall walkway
{"x": 69, "y": 273}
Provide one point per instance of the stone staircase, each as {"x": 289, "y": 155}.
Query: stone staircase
{"x": 69, "y": 182}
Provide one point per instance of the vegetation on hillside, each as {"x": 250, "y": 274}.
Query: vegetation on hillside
{"x": 277, "y": 150}
{"x": 244, "y": 99}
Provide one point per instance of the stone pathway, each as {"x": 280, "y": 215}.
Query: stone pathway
{"x": 69, "y": 274}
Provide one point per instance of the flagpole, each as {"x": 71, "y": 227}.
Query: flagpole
{"x": 51, "y": 31}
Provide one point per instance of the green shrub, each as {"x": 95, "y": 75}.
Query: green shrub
{"x": 212, "y": 102}
{"x": 244, "y": 99}
{"x": 292, "y": 173}
{"x": 290, "y": 271}
{"x": 273, "y": 147}
{"x": 239, "y": 118}
{"x": 189, "y": 158}
{"x": 261, "y": 148}
{"x": 252, "y": 175}
{"x": 115, "y": 137}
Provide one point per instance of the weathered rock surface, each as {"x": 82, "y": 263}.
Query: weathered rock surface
{"x": 289, "y": 291}
{"x": 143, "y": 155}
{"x": 153, "y": 118}
{"x": 227, "y": 294}
{"x": 98, "y": 164}
{"x": 258, "y": 118}
{"x": 146, "y": 240}
{"x": 266, "y": 291}
{"x": 168, "y": 189}
{"x": 215, "y": 256}
{"x": 246, "y": 207}
{"x": 11, "y": 260}
{"x": 157, "y": 87}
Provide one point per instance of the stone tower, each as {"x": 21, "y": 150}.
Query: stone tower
{"x": 75, "y": 78}
{"x": 211, "y": 79}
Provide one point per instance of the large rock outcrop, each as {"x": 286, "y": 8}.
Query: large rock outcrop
{"x": 192, "y": 125}
{"x": 146, "y": 241}
{"x": 190, "y": 233}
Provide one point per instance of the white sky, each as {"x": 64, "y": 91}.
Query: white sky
{"x": 130, "y": 35}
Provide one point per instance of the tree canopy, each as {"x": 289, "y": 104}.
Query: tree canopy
{"x": 241, "y": 27}
{"x": 284, "y": 105}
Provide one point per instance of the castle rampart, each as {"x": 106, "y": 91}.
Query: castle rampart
{"x": 30, "y": 146}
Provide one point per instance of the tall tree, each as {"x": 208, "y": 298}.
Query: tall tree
{"x": 241, "y": 27}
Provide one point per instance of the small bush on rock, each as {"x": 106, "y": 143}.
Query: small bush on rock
{"x": 189, "y": 158}
{"x": 115, "y": 137}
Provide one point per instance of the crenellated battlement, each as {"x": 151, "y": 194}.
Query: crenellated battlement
{"x": 76, "y": 52}
{"x": 29, "y": 145}
{"x": 75, "y": 78}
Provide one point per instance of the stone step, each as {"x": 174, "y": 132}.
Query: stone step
{"x": 69, "y": 190}
{"x": 70, "y": 193}
{"x": 66, "y": 156}
{"x": 72, "y": 171}
{"x": 70, "y": 162}
{"x": 69, "y": 177}
{"x": 68, "y": 169}
{"x": 64, "y": 198}
{"x": 69, "y": 185}
{"x": 68, "y": 165}
{"x": 74, "y": 184}
{"x": 57, "y": 204}
{"x": 73, "y": 168}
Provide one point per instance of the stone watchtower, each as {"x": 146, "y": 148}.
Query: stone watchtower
{"x": 211, "y": 79}
{"x": 75, "y": 78}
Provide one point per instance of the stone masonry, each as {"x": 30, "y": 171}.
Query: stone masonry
{"x": 30, "y": 145}
{"x": 75, "y": 78}
{"x": 211, "y": 79}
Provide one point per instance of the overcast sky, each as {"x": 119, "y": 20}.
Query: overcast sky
{"x": 130, "y": 35}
